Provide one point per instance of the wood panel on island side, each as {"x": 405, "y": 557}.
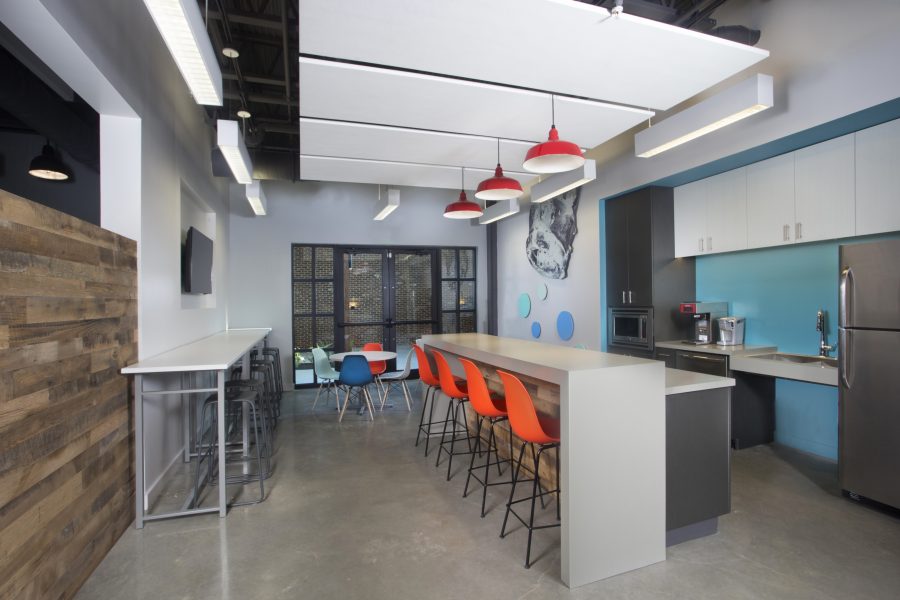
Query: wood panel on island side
{"x": 68, "y": 324}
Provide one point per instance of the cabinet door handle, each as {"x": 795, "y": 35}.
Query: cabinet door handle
{"x": 629, "y": 297}
{"x": 701, "y": 244}
{"x": 709, "y": 243}
{"x": 709, "y": 358}
{"x": 623, "y": 296}
{"x": 785, "y": 234}
{"x": 798, "y": 230}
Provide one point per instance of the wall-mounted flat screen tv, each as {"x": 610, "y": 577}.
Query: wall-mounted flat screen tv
{"x": 196, "y": 267}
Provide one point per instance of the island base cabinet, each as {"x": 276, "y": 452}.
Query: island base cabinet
{"x": 752, "y": 410}
{"x": 698, "y": 471}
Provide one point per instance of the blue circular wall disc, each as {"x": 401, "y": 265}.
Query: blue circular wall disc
{"x": 565, "y": 325}
{"x": 524, "y": 305}
{"x": 536, "y": 329}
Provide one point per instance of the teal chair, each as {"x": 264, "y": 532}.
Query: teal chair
{"x": 327, "y": 376}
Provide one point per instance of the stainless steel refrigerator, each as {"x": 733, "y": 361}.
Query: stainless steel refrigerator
{"x": 869, "y": 371}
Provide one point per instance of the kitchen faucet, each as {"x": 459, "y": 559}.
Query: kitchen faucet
{"x": 824, "y": 348}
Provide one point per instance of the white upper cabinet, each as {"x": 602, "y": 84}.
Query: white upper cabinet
{"x": 690, "y": 219}
{"x": 726, "y": 211}
{"x": 770, "y": 202}
{"x": 878, "y": 179}
{"x": 825, "y": 191}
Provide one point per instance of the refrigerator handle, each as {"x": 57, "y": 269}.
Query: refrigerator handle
{"x": 845, "y": 295}
{"x": 844, "y": 352}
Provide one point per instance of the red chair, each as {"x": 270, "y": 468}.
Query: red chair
{"x": 455, "y": 389}
{"x": 490, "y": 407}
{"x": 432, "y": 384}
{"x": 376, "y": 366}
{"x": 534, "y": 430}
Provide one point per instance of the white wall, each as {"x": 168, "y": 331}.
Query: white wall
{"x": 578, "y": 293}
{"x": 328, "y": 213}
{"x": 829, "y": 59}
{"x": 155, "y": 141}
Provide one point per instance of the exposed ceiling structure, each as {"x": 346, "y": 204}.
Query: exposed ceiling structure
{"x": 408, "y": 92}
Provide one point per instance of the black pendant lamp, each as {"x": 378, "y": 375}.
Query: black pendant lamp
{"x": 48, "y": 165}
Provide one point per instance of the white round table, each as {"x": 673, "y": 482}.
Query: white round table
{"x": 369, "y": 355}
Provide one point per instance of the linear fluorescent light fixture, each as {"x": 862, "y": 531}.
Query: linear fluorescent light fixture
{"x": 561, "y": 183}
{"x": 182, "y": 29}
{"x": 499, "y": 210}
{"x": 231, "y": 143}
{"x": 256, "y": 197}
{"x": 388, "y": 205}
{"x": 728, "y": 106}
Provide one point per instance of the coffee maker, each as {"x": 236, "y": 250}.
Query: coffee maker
{"x": 705, "y": 324}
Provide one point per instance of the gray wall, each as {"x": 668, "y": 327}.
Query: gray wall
{"x": 328, "y": 213}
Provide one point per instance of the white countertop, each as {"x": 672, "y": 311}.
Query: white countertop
{"x": 213, "y": 353}
{"x": 738, "y": 350}
{"x": 808, "y": 372}
{"x": 681, "y": 382}
{"x": 543, "y": 361}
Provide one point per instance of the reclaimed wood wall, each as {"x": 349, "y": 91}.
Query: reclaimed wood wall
{"x": 68, "y": 323}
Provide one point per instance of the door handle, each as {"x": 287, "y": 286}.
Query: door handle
{"x": 845, "y": 297}
{"x": 629, "y": 297}
{"x": 798, "y": 230}
{"x": 844, "y": 352}
{"x": 623, "y": 296}
{"x": 709, "y": 358}
{"x": 709, "y": 243}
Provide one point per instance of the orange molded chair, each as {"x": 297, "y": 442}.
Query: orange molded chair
{"x": 455, "y": 389}
{"x": 491, "y": 407}
{"x": 534, "y": 430}
{"x": 433, "y": 384}
{"x": 377, "y": 367}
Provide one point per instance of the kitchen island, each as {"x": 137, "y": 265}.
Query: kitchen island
{"x": 612, "y": 412}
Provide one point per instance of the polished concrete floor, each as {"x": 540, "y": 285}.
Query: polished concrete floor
{"x": 355, "y": 511}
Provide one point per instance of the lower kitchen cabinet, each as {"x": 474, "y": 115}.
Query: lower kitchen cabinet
{"x": 698, "y": 467}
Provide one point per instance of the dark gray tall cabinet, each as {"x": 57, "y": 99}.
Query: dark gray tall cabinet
{"x": 641, "y": 268}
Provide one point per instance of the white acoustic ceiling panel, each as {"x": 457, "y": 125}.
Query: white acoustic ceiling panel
{"x": 340, "y": 139}
{"x": 345, "y": 92}
{"x": 559, "y": 46}
{"x": 351, "y": 170}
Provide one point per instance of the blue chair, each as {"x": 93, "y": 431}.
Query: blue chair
{"x": 327, "y": 376}
{"x": 355, "y": 373}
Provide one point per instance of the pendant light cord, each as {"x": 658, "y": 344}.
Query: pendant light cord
{"x": 552, "y": 110}
{"x": 498, "y": 151}
{"x": 462, "y": 179}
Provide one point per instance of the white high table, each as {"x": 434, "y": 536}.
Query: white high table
{"x": 214, "y": 353}
{"x": 612, "y": 451}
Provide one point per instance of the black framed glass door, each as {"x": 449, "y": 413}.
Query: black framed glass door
{"x": 386, "y": 296}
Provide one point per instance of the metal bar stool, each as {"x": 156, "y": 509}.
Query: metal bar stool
{"x": 490, "y": 407}
{"x": 457, "y": 391}
{"x": 432, "y": 385}
{"x": 534, "y": 430}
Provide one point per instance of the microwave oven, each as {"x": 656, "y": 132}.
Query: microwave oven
{"x": 630, "y": 328}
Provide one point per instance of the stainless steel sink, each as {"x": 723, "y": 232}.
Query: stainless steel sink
{"x": 798, "y": 358}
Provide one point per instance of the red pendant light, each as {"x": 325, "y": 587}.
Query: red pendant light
{"x": 498, "y": 187}
{"x": 463, "y": 208}
{"x": 554, "y": 155}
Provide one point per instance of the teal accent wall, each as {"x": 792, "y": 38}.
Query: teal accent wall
{"x": 779, "y": 291}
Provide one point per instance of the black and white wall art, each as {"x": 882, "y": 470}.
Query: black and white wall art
{"x": 551, "y": 231}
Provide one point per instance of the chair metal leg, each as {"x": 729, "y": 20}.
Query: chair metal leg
{"x": 430, "y": 419}
{"x": 512, "y": 491}
{"x": 443, "y": 433}
{"x": 453, "y": 435}
{"x": 422, "y": 418}
{"x": 472, "y": 460}
{"x": 487, "y": 466}
{"x": 406, "y": 396}
{"x": 534, "y": 493}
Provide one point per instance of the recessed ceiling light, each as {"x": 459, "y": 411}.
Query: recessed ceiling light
{"x": 243, "y": 113}
{"x": 230, "y": 52}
